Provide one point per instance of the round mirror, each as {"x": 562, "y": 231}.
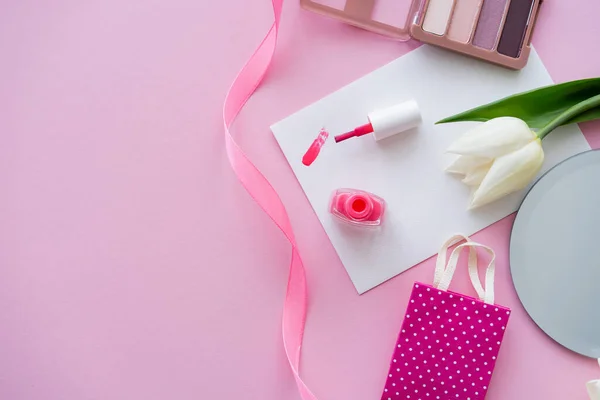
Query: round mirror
{"x": 555, "y": 253}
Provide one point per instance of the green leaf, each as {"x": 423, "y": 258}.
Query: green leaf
{"x": 539, "y": 106}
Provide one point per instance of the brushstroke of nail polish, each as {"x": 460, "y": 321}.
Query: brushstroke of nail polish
{"x": 313, "y": 151}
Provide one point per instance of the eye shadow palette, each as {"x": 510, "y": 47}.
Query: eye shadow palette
{"x": 498, "y": 31}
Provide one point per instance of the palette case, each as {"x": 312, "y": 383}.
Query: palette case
{"x": 497, "y": 31}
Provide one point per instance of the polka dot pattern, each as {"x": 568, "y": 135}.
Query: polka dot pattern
{"x": 447, "y": 347}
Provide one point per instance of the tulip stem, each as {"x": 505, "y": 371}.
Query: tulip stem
{"x": 568, "y": 114}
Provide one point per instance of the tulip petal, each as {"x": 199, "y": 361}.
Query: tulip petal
{"x": 509, "y": 173}
{"x": 494, "y": 138}
{"x": 463, "y": 165}
{"x": 476, "y": 176}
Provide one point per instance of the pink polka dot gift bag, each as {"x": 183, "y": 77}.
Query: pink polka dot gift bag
{"x": 449, "y": 342}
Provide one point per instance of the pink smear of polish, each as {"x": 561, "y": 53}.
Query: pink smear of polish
{"x": 313, "y": 151}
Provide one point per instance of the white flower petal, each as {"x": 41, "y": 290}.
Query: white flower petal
{"x": 464, "y": 165}
{"x": 494, "y": 138}
{"x": 476, "y": 176}
{"x": 509, "y": 173}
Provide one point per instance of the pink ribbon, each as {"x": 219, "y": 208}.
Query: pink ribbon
{"x": 244, "y": 85}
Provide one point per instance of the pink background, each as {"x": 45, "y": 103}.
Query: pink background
{"x": 133, "y": 265}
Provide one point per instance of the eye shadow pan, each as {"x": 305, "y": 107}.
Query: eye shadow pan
{"x": 489, "y": 23}
{"x": 437, "y": 16}
{"x": 463, "y": 20}
{"x": 515, "y": 25}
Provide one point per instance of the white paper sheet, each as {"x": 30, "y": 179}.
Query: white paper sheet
{"x": 425, "y": 205}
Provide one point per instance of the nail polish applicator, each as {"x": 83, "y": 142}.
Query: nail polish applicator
{"x": 387, "y": 122}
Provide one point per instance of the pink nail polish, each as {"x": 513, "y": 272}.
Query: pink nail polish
{"x": 357, "y": 207}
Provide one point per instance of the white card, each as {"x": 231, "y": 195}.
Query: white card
{"x": 425, "y": 205}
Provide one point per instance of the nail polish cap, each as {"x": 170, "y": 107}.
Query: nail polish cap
{"x": 392, "y": 120}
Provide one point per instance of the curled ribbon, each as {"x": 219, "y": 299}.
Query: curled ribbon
{"x": 244, "y": 85}
{"x": 593, "y": 388}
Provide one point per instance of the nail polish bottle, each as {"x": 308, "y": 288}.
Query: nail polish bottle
{"x": 357, "y": 207}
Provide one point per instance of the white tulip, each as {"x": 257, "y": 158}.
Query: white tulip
{"x": 499, "y": 157}
{"x": 593, "y": 388}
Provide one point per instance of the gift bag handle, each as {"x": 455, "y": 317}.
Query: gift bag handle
{"x": 444, "y": 273}
{"x": 440, "y": 264}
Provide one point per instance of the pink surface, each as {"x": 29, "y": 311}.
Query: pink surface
{"x": 132, "y": 262}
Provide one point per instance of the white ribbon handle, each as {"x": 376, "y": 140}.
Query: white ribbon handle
{"x": 443, "y": 276}
{"x": 440, "y": 264}
{"x": 593, "y": 388}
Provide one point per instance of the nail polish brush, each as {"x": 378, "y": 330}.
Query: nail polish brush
{"x": 387, "y": 122}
